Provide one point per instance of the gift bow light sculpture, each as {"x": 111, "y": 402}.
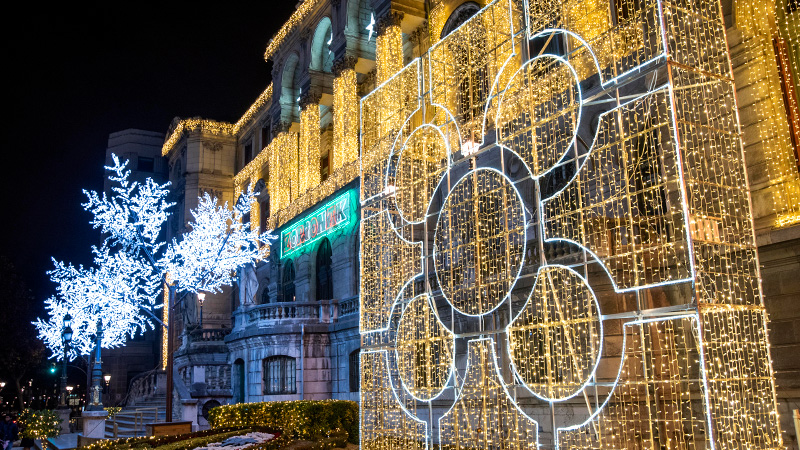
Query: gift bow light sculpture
{"x": 556, "y": 240}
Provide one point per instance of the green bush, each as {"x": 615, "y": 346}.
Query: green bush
{"x": 39, "y": 424}
{"x": 149, "y": 442}
{"x": 300, "y": 419}
{"x": 190, "y": 444}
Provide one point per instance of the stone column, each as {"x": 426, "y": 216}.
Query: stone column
{"x": 345, "y": 111}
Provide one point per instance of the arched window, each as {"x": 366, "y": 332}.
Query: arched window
{"x": 279, "y": 374}
{"x": 265, "y": 292}
{"x": 238, "y": 380}
{"x": 290, "y": 89}
{"x": 353, "y": 363}
{"x": 321, "y": 54}
{"x": 287, "y": 283}
{"x": 324, "y": 273}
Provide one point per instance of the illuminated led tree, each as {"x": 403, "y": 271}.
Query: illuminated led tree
{"x": 219, "y": 242}
{"x": 124, "y": 285}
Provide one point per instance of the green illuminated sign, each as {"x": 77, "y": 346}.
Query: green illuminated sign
{"x": 334, "y": 215}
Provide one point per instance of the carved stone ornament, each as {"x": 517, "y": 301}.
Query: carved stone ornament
{"x": 281, "y": 126}
{"x": 214, "y": 193}
{"x": 310, "y": 97}
{"x": 390, "y": 19}
{"x": 343, "y": 63}
{"x": 212, "y": 146}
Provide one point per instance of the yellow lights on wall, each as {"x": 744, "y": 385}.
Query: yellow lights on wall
{"x": 202, "y": 125}
{"x": 254, "y": 109}
{"x": 389, "y": 52}
{"x": 768, "y": 90}
{"x": 165, "y": 330}
{"x": 308, "y": 155}
{"x": 297, "y": 16}
{"x": 579, "y": 266}
{"x": 345, "y": 118}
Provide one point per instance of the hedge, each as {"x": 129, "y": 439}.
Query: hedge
{"x": 149, "y": 442}
{"x": 298, "y": 419}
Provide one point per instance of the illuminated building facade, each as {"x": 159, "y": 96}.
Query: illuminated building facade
{"x": 545, "y": 208}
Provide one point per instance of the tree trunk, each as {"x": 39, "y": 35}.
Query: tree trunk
{"x": 19, "y": 393}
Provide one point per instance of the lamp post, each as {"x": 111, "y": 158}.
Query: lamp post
{"x": 171, "y": 303}
{"x": 96, "y": 402}
{"x": 201, "y": 298}
{"x": 66, "y": 338}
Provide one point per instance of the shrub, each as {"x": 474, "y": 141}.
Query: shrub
{"x": 39, "y": 424}
{"x": 299, "y": 419}
{"x": 149, "y": 442}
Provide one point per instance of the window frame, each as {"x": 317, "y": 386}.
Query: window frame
{"x": 279, "y": 375}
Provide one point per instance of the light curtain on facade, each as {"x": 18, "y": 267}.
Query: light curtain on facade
{"x": 556, "y": 240}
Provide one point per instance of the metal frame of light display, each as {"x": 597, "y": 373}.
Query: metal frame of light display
{"x": 556, "y": 240}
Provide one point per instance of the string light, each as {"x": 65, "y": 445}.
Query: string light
{"x": 303, "y": 9}
{"x": 345, "y": 119}
{"x": 308, "y": 153}
{"x": 652, "y": 207}
{"x": 195, "y": 124}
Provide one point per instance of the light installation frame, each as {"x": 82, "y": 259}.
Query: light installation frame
{"x": 612, "y": 83}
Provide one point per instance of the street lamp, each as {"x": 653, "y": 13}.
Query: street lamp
{"x": 66, "y": 338}
{"x": 96, "y": 401}
{"x": 201, "y": 298}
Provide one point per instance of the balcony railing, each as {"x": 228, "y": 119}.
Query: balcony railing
{"x": 209, "y": 334}
{"x": 323, "y": 311}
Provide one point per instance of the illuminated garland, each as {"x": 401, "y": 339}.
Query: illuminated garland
{"x": 302, "y": 11}
{"x": 308, "y": 154}
{"x": 652, "y": 208}
{"x": 189, "y": 125}
{"x": 337, "y": 180}
{"x": 251, "y": 112}
{"x": 345, "y": 119}
{"x": 765, "y": 29}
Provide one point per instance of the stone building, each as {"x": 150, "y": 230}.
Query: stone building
{"x": 140, "y": 355}
{"x": 289, "y": 329}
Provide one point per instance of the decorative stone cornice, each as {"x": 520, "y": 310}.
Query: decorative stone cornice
{"x": 280, "y": 126}
{"x": 419, "y": 35}
{"x": 310, "y": 97}
{"x": 389, "y": 19}
{"x": 343, "y": 63}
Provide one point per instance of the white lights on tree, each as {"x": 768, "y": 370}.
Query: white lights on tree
{"x": 219, "y": 242}
{"x": 120, "y": 289}
{"x": 124, "y": 285}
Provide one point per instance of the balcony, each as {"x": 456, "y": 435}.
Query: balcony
{"x": 286, "y": 313}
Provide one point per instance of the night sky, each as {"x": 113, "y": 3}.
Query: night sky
{"x": 79, "y": 75}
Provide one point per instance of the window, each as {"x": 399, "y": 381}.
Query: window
{"x": 324, "y": 276}
{"x": 265, "y": 136}
{"x": 248, "y": 153}
{"x": 263, "y": 215}
{"x": 279, "y": 375}
{"x": 145, "y": 164}
{"x": 353, "y": 361}
{"x": 287, "y": 283}
{"x": 265, "y": 293}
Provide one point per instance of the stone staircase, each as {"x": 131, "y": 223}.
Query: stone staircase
{"x": 132, "y": 420}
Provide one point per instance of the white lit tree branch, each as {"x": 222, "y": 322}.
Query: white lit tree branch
{"x": 124, "y": 286}
{"x": 219, "y": 242}
{"x": 117, "y": 290}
